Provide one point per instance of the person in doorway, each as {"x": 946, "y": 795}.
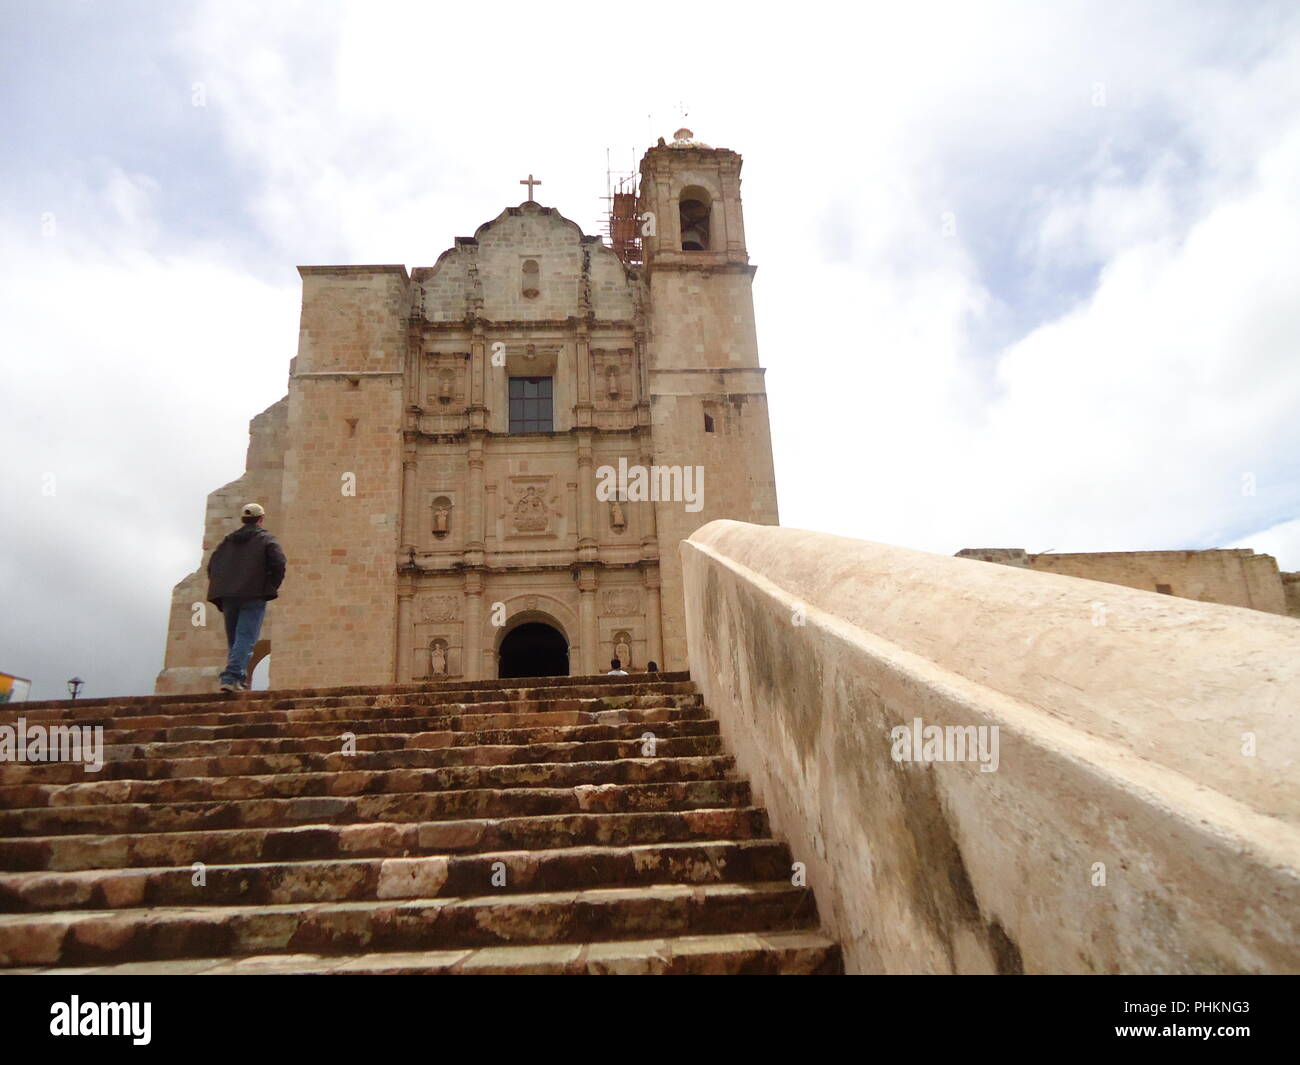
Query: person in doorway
{"x": 244, "y": 574}
{"x": 616, "y": 669}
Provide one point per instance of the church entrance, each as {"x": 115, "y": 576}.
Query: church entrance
{"x": 533, "y": 649}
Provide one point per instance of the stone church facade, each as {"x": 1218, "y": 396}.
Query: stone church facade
{"x": 484, "y": 468}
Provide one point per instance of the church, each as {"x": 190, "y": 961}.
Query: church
{"x": 484, "y": 468}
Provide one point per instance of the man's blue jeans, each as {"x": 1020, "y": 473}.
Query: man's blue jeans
{"x": 243, "y": 626}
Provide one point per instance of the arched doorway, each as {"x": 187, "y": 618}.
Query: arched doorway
{"x": 259, "y": 667}
{"x": 533, "y": 649}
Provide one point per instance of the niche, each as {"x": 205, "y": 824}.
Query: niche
{"x": 441, "y": 516}
{"x": 532, "y": 279}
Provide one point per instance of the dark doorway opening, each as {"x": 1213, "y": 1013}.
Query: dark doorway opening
{"x": 534, "y": 650}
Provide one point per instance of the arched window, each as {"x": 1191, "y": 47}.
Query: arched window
{"x": 694, "y": 210}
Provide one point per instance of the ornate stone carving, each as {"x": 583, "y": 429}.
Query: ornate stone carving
{"x": 530, "y": 513}
{"x": 530, "y": 505}
{"x": 617, "y": 519}
{"x": 439, "y": 607}
{"x": 621, "y": 603}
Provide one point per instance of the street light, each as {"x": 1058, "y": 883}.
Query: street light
{"x": 74, "y": 685}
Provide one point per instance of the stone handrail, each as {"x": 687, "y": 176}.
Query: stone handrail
{"x": 1136, "y": 810}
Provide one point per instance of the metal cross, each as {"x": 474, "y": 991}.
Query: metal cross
{"x": 530, "y": 183}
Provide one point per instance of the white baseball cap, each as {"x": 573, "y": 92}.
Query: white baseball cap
{"x": 252, "y": 510}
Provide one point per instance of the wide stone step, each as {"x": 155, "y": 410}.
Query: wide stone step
{"x": 378, "y": 839}
{"x": 473, "y": 714}
{"x": 409, "y": 806}
{"x": 103, "y": 937}
{"x": 392, "y": 781}
{"x": 728, "y": 954}
{"x": 440, "y": 876}
{"x": 332, "y": 722}
{"x": 245, "y": 765}
{"x": 527, "y": 697}
{"x": 397, "y": 741}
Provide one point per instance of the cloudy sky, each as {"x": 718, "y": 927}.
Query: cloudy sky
{"x": 1029, "y": 274}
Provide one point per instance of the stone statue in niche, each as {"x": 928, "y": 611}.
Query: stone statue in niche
{"x": 438, "y": 659}
{"x": 444, "y": 388}
{"x": 441, "y": 518}
{"x": 623, "y": 649}
{"x": 611, "y": 382}
{"x": 617, "y": 520}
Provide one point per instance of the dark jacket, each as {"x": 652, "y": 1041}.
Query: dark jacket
{"x": 247, "y": 564}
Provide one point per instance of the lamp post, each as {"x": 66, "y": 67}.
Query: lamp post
{"x": 74, "y": 686}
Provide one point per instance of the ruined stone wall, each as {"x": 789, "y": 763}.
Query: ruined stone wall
{"x": 1144, "y": 812}
{"x": 1235, "y": 577}
{"x": 196, "y": 654}
{"x": 1291, "y": 589}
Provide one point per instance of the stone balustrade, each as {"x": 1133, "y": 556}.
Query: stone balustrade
{"x": 1136, "y": 810}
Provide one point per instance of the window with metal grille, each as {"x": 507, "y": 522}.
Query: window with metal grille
{"x": 530, "y": 405}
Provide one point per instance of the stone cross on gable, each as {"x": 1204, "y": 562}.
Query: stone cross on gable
{"x": 530, "y": 182}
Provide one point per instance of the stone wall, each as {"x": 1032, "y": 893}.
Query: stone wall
{"x": 1144, "y": 815}
{"x": 343, "y": 480}
{"x": 1233, "y": 577}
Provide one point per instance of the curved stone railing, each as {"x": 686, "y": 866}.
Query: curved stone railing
{"x": 1136, "y": 810}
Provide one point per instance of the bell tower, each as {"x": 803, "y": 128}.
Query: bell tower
{"x": 707, "y": 397}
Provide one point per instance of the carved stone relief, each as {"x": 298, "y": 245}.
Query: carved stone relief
{"x": 620, "y": 603}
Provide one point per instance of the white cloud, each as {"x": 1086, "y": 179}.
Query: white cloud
{"x": 1282, "y": 541}
{"x": 993, "y": 313}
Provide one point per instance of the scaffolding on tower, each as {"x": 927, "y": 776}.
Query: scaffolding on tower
{"x": 621, "y": 228}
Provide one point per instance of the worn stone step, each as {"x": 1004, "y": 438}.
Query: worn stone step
{"x": 439, "y": 876}
{"x": 386, "y": 782}
{"x": 332, "y": 722}
{"x": 106, "y": 936}
{"x": 397, "y": 741}
{"x": 727, "y": 954}
{"x": 342, "y": 809}
{"x": 245, "y": 765}
{"x": 378, "y": 839}
{"x": 457, "y": 715}
{"x": 534, "y": 691}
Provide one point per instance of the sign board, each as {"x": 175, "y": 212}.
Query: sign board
{"x": 13, "y": 689}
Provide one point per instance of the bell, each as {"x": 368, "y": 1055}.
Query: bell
{"x": 693, "y": 239}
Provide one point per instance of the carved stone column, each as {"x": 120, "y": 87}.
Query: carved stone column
{"x": 649, "y": 525}
{"x": 586, "y": 499}
{"x": 405, "y": 635}
{"x": 587, "y": 618}
{"x": 654, "y": 643}
{"x": 474, "y": 531}
{"x": 411, "y": 534}
{"x": 472, "y": 666}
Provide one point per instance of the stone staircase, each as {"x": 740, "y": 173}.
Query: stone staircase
{"x": 518, "y": 826}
